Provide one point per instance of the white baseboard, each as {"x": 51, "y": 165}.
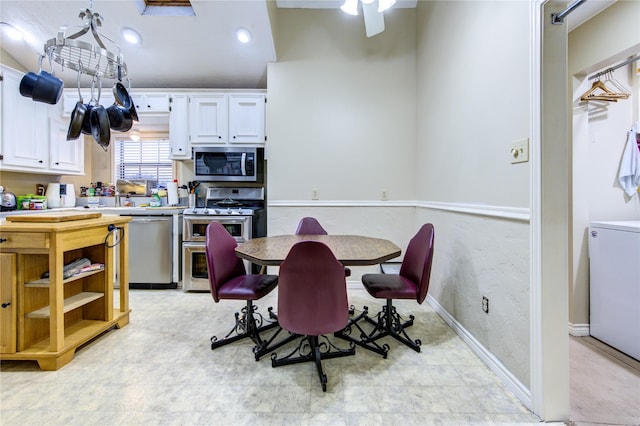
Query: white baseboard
{"x": 505, "y": 376}
{"x": 579, "y": 330}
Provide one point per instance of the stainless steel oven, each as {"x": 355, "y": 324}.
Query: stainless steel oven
{"x": 195, "y": 226}
{"x": 194, "y": 275}
{"x": 237, "y": 164}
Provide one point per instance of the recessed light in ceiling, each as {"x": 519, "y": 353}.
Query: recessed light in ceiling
{"x": 243, "y": 35}
{"x": 131, "y": 35}
{"x": 11, "y": 31}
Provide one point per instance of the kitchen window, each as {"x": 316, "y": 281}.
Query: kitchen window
{"x": 147, "y": 158}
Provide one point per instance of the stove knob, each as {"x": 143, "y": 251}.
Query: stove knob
{"x": 229, "y": 211}
{"x": 217, "y": 211}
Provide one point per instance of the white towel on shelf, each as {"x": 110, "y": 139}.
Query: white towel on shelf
{"x": 629, "y": 174}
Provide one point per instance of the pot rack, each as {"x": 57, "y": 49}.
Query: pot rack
{"x": 85, "y": 57}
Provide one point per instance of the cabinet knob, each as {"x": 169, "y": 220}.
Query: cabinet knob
{"x": 40, "y": 161}
{"x": 148, "y": 106}
{"x": 57, "y": 164}
{"x": 219, "y": 137}
{"x": 5, "y": 305}
{"x": 234, "y": 137}
{"x": 3, "y": 240}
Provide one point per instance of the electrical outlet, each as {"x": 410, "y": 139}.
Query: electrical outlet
{"x": 385, "y": 195}
{"x": 485, "y": 305}
{"x": 315, "y": 194}
{"x": 519, "y": 151}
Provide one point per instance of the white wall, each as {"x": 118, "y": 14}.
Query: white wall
{"x": 599, "y": 136}
{"x": 341, "y": 107}
{"x": 473, "y": 101}
{"x": 351, "y": 116}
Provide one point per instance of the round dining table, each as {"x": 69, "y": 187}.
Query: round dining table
{"x": 350, "y": 250}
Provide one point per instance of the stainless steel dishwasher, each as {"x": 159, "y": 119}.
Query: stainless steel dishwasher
{"x": 150, "y": 252}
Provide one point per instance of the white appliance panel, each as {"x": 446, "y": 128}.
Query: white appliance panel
{"x": 614, "y": 256}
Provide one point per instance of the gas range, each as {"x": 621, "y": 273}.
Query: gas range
{"x": 221, "y": 211}
{"x": 230, "y": 202}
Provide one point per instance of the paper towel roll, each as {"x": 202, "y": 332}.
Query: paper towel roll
{"x": 172, "y": 193}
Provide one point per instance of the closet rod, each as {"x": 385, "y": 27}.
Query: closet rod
{"x": 558, "y": 18}
{"x": 628, "y": 61}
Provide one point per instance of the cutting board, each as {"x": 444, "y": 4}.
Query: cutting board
{"x": 53, "y": 217}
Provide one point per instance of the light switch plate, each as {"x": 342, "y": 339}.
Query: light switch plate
{"x": 519, "y": 151}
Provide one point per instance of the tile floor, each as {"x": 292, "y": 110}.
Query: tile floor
{"x": 160, "y": 370}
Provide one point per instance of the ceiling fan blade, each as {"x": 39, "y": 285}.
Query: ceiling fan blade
{"x": 373, "y": 20}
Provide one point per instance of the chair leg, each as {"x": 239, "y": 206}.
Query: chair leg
{"x": 390, "y": 323}
{"x": 363, "y": 339}
{"x": 260, "y": 350}
{"x": 310, "y": 349}
{"x": 250, "y": 324}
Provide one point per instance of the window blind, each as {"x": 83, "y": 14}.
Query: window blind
{"x": 144, "y": 159}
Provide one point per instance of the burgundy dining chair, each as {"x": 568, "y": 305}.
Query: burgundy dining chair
{"x": 312, "y": 302}
{"x": 311, "y": 226}
{"x": 229, "y": 281}
{"x": 411, "y": 283}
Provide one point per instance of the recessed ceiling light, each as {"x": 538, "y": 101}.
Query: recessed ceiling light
{"x": 243, "y": 35}
{"x": 131, "y": 35}
{"x": 11, "y": 31}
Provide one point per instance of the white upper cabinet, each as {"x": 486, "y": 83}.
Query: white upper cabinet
{"x": 208, "y": 118}
{"x": 179, "y": 128}
{"x": 151, "y": 102}
{"x": 31, "y": 142}
{"x": 71, "y": 97}
{"x": 66, "y": 157}
{"x": 247, "y": 118}
{"x": 24, "y": 128}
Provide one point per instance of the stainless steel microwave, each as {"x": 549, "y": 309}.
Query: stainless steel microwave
{"x": 228, "y": 164}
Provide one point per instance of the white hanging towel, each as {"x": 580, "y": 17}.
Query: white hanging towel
{"x": 629, "y": 174}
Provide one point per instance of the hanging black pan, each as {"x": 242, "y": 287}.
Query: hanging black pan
{"x": 122, "y": 96}
{"x": 120, "y": 92}
{"x": 77, "y": 116}
{"x": 100, "y": 126}
{"x": 93, "y": 102}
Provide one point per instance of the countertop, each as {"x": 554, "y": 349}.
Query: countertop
{"x": 126, "y": 211}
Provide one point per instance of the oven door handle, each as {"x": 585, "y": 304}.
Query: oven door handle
{"x": 191, "y": 245}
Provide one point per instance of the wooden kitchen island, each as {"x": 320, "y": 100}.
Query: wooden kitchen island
{"x": 46, "y": 319}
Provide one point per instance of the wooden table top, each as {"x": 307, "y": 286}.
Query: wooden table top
{"x": 350, "y": 250}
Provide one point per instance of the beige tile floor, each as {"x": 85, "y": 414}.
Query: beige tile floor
{"x": 160, "y": 370}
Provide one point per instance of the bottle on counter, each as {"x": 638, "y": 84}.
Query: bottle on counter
{"x": 155, "y": 200}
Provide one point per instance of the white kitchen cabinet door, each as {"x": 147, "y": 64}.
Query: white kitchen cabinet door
{"x": 67, "y": 157}
{"x": 24, "y": 128}
{"x": 71, "y": 97}
{"x": 247, "y": 118}
{"x": 151, "y": 102}
{"x": 179, "y": 128}
{"x": 208, "y": 118}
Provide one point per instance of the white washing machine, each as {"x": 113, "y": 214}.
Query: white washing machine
{"x": 614, "y": 284}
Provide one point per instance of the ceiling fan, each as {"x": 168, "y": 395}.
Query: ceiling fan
{"x": 372, "y": 11}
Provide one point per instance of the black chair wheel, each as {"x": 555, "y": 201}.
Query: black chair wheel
{"x": 418, "y": 342}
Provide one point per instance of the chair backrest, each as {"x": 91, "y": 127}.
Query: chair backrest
{"x": 416, "y": 264}
{"x": 312, "y": 291}
{"x": 310, "y": 226}
{"x": 222, "y": 262}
